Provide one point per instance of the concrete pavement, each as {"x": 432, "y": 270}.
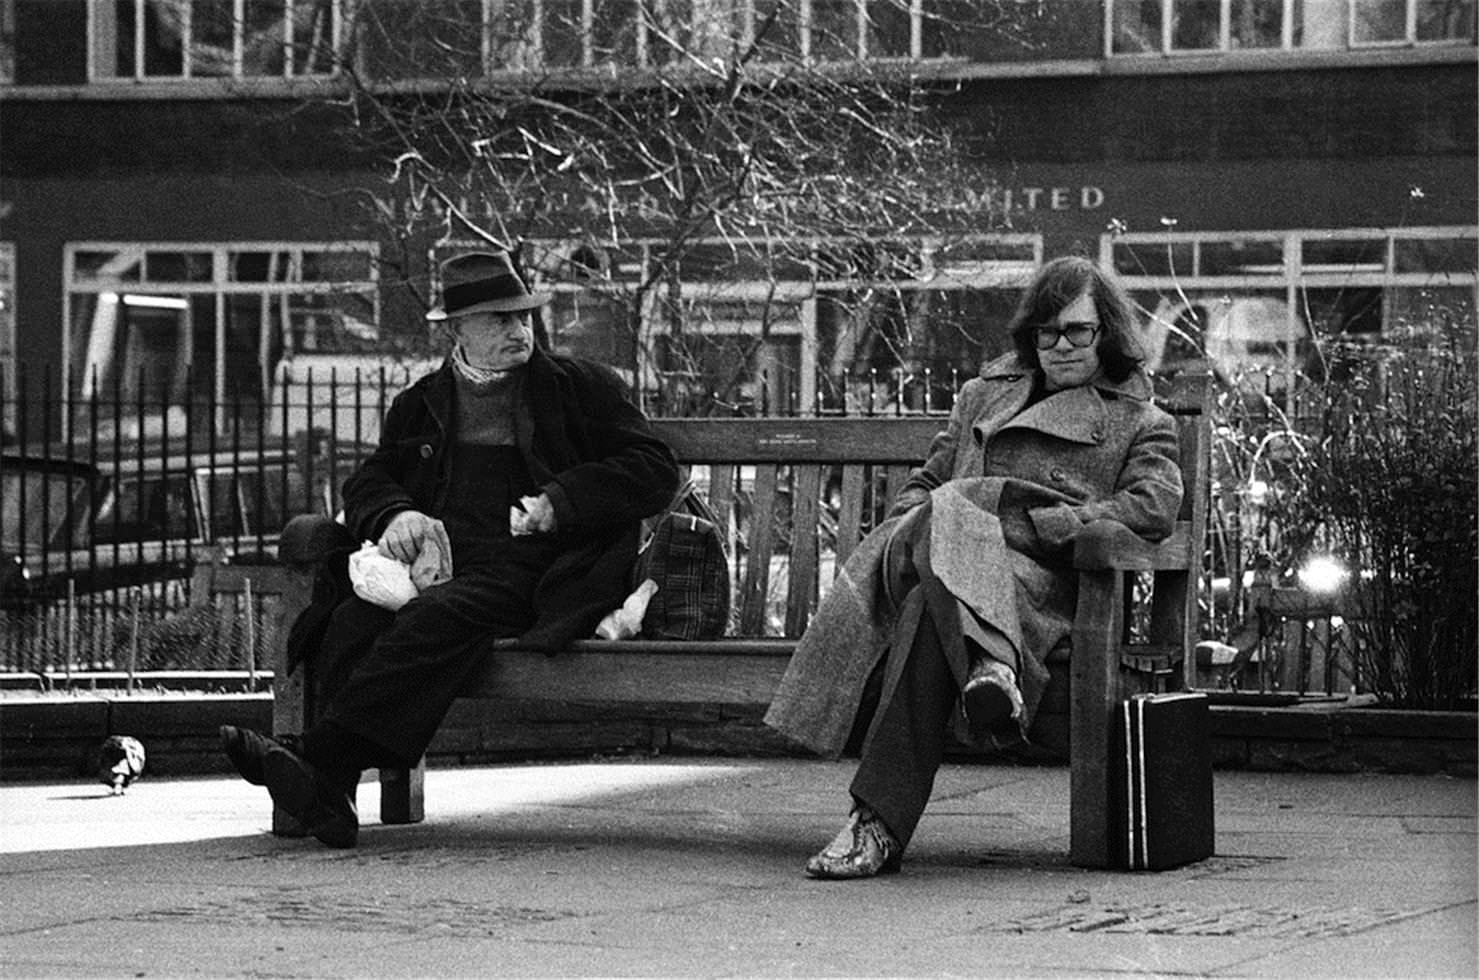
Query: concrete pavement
{"x": 691, "y": 867}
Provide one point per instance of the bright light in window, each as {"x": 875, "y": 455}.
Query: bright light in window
{"x": 155, "y": 302}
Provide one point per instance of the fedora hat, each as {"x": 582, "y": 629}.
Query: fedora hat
{"x": 482, "y": 282}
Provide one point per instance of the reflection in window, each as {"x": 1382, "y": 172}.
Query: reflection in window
{"x": 1257, "y": 24}
{"x": 1195, "y": 25}
{"x": 1375, "y": 21}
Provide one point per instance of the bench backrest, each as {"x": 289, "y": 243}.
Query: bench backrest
{"x": 798, "y": 494}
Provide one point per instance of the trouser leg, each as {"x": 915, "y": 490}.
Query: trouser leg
{"x": 907, "y": 742}
{"x": 396, "y": 695}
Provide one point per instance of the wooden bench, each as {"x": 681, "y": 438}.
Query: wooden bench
{"x": 797, "y": 494}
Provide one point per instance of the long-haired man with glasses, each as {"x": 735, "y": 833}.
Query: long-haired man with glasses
{"x": 944, "y": 616}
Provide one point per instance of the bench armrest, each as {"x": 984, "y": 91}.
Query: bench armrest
{"x": 1106, "y": 545}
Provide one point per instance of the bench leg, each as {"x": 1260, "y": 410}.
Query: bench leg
{"x": 1093, "y": 692}
{"x": 403, "y": 795}
{"x": 289, "y": 716}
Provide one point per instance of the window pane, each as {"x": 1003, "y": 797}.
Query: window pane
{"x": 340, "y": 265}
{"x": 125, "y": 27}
{"x": 257, "y": 266}
{"x": 834, "y": 30}
{"x": 1445, "y": 20}
{"x": 584, "y": 323}
{"x": 135, "y": 344}
{"x": 340, "y": 323}
{"x": 1374, "y": 21}
{"x": 50, "y": 42}
{"x": 1153, "y": 258}
{"x": 415, "y": 39}
{"x": 510, "y": 36}
{"x": 1349, "y": 312}
{"x": 744, "y": 261}
{"x": 677, "y": 30}
{"x": 870, "y": 261}
{"x": 1320, "y": 23}
{"x": 983, "y": 32}
{"x": 888, "y": 29}
{"x": 178, "y": 267}
{"x": 1257, "y": 23}
{"x": 164, "y": 38}
{"x": 1241, "y": 258}
{"x": 313, "y": 37}
{"x": 1137, "y": 26}
{"x": 1345, "y": 255}
{"x": 212, "y": 43}
{"x": 263, "y": 37}
{"x": 1195, "y": 25}
{"x": 244, "y": 358}
{"x": 1440, "y": 316}
{"x": 561, "y": 31}
{"x": 122, "y": 266}
{"x": 1438, "y": 255}
{"x": 613, "y": 33}
{"x": 779, "y": 39}
{"x": 1249, "y": 337}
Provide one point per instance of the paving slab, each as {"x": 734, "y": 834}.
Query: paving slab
{"x": 691, "y": 867}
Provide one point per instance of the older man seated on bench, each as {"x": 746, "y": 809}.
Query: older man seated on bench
{"x": 513, "y": 482}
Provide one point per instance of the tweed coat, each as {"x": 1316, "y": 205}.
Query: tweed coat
{"x": 1018, "y": 482}
{"x": 585, "y": 445}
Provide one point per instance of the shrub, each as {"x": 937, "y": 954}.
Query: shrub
{"x": 1386, "y": 481}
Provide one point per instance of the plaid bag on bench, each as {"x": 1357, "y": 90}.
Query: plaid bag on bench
{"x": 683, "y": 552}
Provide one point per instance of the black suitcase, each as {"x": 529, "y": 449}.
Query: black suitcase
{"x": 1163, "y": 781}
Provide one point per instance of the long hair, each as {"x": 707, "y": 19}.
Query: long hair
{"x": 1058, "y": 284}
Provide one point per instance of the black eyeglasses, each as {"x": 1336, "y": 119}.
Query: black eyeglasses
{"x": 1078, "y": 334}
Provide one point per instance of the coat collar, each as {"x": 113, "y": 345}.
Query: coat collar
{"x": 440, "y": 394}
{"x": 1077, "y": 414}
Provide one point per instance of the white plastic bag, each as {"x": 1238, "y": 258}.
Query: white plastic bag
{"x": 626, "y": 622}
{"x": 381, "y": 580}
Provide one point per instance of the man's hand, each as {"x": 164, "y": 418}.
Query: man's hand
{"x": 409, "y": 533}
{"x": 537, "y": 516}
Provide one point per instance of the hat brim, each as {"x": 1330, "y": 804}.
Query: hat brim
{"x": 513, "y": 304}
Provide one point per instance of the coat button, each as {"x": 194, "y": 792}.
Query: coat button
{"x": 426, "y": 450}
{"x": 1098, "y": 435}
{"x": 1058, "y": 475}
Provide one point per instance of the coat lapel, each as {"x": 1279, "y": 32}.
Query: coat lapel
{"x": 1076, "y": 415}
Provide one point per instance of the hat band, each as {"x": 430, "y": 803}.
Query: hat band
{"x": 467, "y": 294}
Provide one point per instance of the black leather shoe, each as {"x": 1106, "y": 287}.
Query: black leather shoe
{"x": 324, "y": 808}
{"x": 248, "y": 750}
{"x": 990, "y": 699}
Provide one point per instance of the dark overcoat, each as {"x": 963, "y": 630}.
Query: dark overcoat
{"x": 1042, "y": 472}
{"x": 586, "y": 445}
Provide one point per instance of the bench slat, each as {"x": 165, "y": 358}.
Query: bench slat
{"x": 785, "y": 440}
{"x": 756, "y": 588}
{"x": 801, "y": 590}
{"x": 850, "y": 513}
{"x": 644, "y": 673}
